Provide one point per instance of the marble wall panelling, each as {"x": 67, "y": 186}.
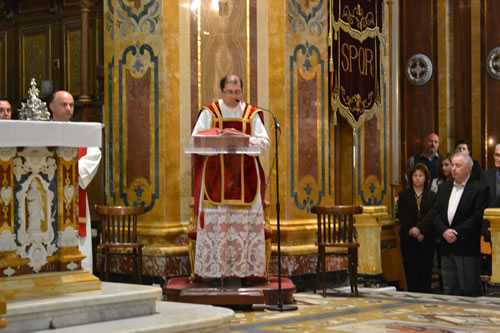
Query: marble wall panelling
{"x": 142, "y": 41}
{"x": 151, "y": 265}
{"x": 34, "y": 48}
{"x": 194, "y": 71}
{"x": 224, "y": 46}
{"x": 311, "y": 175}
{"x": 419, "y": 104}
{"x": 138, "y": 136}
{"x": 444, "y": 39}
{"x": 252, "y": 61}
{"x": 491, "y": 85}
{"x": 187, "y": 105}
{"x": 477, "y": 109}
{"x": 461, "y": 83}
{"x": 142, "y": 114}
{"x": 305, "y": 264}
{"x": 3, "y": 63}
{"x": 109, "y": 31}
{"x": 278, "y": 100}
{"x": 307, "y": 129}
{"x": 171, "y": 111}
{"x": 372, "y": 160}
{"x": 308, "y": 140}
{"x": 131, "y": 36}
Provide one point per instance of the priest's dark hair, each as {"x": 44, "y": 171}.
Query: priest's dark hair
{"x": 230, "y": 78}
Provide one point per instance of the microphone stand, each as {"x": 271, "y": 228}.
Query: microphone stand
{"x": 280, "y": 306}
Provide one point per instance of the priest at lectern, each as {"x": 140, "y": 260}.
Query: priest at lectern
{"x": 229, "y": 191}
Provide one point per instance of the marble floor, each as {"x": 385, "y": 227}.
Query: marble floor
{"x": 376, "y": 311}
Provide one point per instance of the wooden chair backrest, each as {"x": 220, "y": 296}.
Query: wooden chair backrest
{"x": 336, "y": 223}
{"x": 119, "y": 224}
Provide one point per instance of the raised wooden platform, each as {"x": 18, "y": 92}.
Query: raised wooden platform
{"x": 202, "y": 291}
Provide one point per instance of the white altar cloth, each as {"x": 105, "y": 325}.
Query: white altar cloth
{"x": 26, "y": 133}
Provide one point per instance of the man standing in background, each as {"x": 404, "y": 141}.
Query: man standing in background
{"x": 5, "y": 109}
{"x": 457, "y": 217}
{"x": 62, "y": 106}
{"x": 429, "y": 157}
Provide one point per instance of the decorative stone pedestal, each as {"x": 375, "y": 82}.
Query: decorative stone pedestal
{"x": 493, "y": 215}
{"x": 368, "y": 227}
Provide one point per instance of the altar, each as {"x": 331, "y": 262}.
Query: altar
{"x": 39, "y": 253}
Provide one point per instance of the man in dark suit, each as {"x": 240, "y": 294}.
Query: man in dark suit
{"x": 458, "y": 215}
{"x": 491, "y": 178}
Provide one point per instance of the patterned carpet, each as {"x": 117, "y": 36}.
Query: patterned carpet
{"x": 376, "y": 311}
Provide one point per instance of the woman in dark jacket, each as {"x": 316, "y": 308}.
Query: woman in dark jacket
{"x": 416, "y": 233}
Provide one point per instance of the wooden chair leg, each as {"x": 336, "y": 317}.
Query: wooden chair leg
{"x": 351, "y": 271}
{"x": 136, "y": 265}
{"x": 140, "y": 265}
{"x": 323, "y": 270}
{"x": 103, "y": 262}
{"x": 355, "y": 271}
{"x": 108, "y": 264}
{"x": 318, "y": 262}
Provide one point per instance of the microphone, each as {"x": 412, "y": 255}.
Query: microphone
{"x": 276, "y": 123}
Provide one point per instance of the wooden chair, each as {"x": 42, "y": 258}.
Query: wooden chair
{"x": 118, "y": 230}
{"x": 336, "y": 230}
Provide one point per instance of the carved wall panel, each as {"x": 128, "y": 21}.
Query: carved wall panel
{"x": 30, "y": 6}
{"x": 491, "y": 96}
{"x": 72, "y": 49}
{"x": 225, "y": 47}
{"x": 72, "y": 55}
{"x": 419, "y": 105}
{"x": 3, "y": 63}
{"x": 41, "y": 39}
{"x": 35, "y": 56}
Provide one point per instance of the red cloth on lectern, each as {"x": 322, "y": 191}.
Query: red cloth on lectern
{"x": 82, "y": 202}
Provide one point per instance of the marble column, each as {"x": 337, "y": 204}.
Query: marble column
{"x": 143, "y": 135}
{"x": 368, "y": 228}
{"x": 493, "y": 215}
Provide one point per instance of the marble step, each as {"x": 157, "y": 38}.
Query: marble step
{"x": 113, "y": 302}
{"x": 169, "y": 317}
